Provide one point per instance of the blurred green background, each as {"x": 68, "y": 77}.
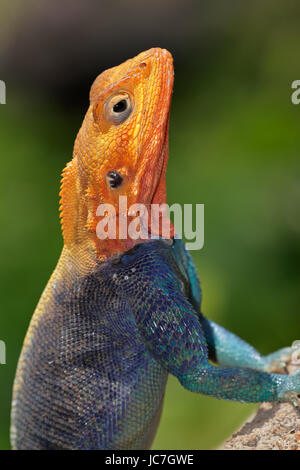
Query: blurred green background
{"x": 234, "y": 146}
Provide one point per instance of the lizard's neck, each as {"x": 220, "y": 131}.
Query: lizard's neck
{"x": 79, "y": 202}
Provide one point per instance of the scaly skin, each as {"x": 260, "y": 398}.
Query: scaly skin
{"x": 118, "y": 315}
{"x": 137, "y": 148}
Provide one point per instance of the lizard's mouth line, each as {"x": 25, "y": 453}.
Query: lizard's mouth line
{"x": 162, "y": 159}
{"x": 159, "y": 223}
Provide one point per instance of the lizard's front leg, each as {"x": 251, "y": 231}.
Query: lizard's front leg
{"x": 227, "y": 349}
{"x": 172, "y": 332}
{"x": 224, "y": 347}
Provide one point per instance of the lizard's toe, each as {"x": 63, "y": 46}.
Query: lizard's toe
{"x": 293, "y": 398}
{"x": 277, "y": 362}
{"x": 291, "y": 391}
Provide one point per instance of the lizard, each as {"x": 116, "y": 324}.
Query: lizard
{"x": 118, "y": 315}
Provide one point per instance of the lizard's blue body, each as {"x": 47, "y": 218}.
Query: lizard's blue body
{"x": 96, "y": 376}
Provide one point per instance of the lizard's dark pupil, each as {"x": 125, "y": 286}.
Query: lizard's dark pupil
{"x": 114, "y": 179}
{"x": 120, "y": 106}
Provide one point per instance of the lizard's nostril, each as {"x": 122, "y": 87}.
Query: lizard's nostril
{"x": 143, "y": 65}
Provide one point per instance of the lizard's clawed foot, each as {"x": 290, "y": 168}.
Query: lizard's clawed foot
{"x": 291, "y": 390}
{"x": 277, "y": 362}
{"x": 293, "y": 398}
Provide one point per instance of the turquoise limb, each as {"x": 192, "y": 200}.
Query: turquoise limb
{"x": 170, "y": 328}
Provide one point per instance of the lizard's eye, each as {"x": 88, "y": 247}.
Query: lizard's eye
{"x": 118, "y": 108}
{"x": 114, "y": 179}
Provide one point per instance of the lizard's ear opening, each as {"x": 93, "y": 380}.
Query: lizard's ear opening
{"x": 114, "y": 179}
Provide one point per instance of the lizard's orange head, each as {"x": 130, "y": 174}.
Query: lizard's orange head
{"x": 122, "y": 146}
